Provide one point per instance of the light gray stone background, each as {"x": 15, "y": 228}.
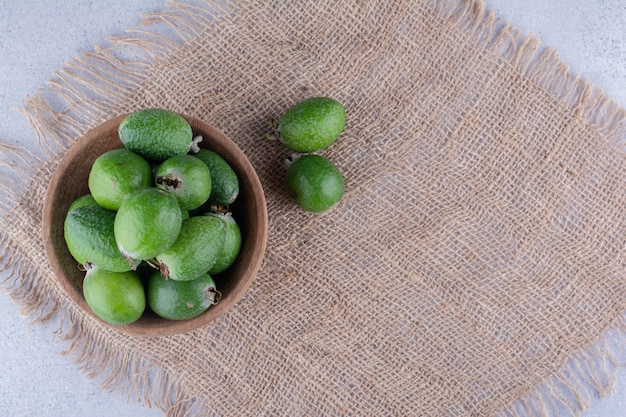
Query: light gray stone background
{"x": 38, "y": 36}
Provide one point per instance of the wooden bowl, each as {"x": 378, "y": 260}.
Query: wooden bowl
{"x": 70, "y": 182}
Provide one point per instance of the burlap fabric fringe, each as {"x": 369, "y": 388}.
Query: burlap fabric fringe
{"x": 475, "y": 266}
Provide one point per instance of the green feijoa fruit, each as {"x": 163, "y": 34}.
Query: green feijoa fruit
{"x": 312, "y": 124}
{"x": 85, "y": 200}
{"x": 225, "y": 187}
{"x": 231, "y": 246}
{"x": 156, "y": 134}
{"x": 187, "y": 178}
{"x": 196, "y": 249}
{"x": 147, "y": 223}
{"x": 115, "y": 174}
{"x": 89, "y": 235}
{"x": 181, "y": 300}
{"x": 314, "y": 183}
{"x": 116, "y": 297}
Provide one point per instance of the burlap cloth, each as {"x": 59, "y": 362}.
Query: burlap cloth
{"x": 474, "y": 267}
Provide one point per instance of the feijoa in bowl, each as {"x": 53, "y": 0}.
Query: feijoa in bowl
{"x": 70, "y": 181}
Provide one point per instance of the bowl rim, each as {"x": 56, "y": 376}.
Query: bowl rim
{"x": 256, "y": 241}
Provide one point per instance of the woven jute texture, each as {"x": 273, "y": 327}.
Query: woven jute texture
{"x": 474, "y": 267}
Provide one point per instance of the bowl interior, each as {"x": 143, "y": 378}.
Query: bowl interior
{"x": 69, "y": 182}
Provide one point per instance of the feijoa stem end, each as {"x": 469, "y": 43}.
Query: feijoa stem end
{"x": 289, "y": 160}
{"x": 194, "y": 144}
{"x": 168, "y": 182}
{"x": 213, "y": 295}
{"x": 164, "y": 270}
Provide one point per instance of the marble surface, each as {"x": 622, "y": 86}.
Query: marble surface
{"x": 37, "y": 37}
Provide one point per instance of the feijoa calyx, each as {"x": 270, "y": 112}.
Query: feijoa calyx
{"x": 312, "y": 124}
{"x": 187, "y": 178}
{"x": 195, "y": 250}
{"x": 181, "y": 300}
{"x": 156, "y": 134}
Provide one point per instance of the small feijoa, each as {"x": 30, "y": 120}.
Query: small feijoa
{"x": 147, "y": 223}
{"x": 314, "y": 183}
{"x": 156, "y": 134}
{"x": 195, "y": 250}
{"x": 312, "y": 124}
{"x": 181, "y": 300}
{"x": 225, "y": 186}
{"x": 116, "y": 297}
{"x": 187, "y": 178}
{"x": 115, "y": 174}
